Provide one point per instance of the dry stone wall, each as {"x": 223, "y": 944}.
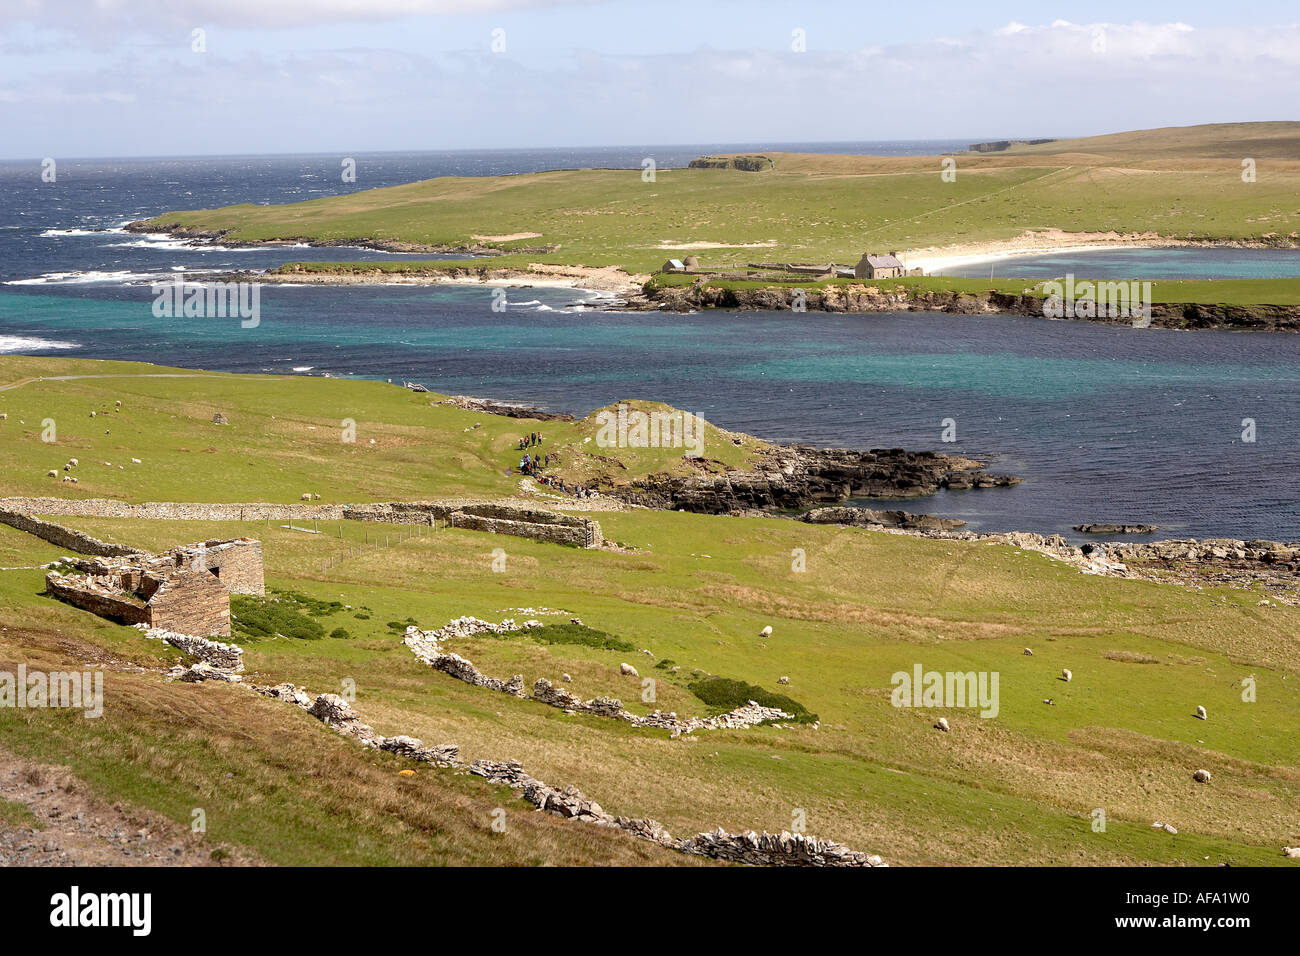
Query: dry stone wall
{"x": 97, "y": 596}
{"x": 63, "y": 537}
{"x": 427, "y": 646}
{"x": 763, "y": 849}
{"x": 496, "y": 518}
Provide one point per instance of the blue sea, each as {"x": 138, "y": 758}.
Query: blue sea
{"x": 1105, "y": 423}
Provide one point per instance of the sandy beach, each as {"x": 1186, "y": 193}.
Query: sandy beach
{"x": 1048, "y": 241}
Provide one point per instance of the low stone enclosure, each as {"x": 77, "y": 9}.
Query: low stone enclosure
{"x": 758, "y": 849}
{"x": 185, "y": 591}
{"x": 427, "y": 646}
{"x": 492, "y": 517}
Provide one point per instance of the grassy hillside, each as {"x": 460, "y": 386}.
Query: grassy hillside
{"x": 284, "y": 438}
{"x": 1173, "y": 183}
{"x": 694, "y": 591}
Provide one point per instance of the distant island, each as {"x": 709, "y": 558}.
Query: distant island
{"x": 691, "y": 238}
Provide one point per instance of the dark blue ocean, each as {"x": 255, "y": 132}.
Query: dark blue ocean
{"x": 1105, "y": 423}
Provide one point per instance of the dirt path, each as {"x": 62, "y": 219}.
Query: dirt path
{"x": 73, "y": 827}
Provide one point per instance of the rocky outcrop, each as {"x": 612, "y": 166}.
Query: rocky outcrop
{"x": 868, "y": 518}
{"x": 508, "y": 409}
{"x": 754, "y": 163}
{"x": 794, "y": 477}
{"x": 864, "y": 297}
{"x": 1116, "y": 528}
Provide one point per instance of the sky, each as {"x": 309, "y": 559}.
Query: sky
{"x": 88, "y": 78}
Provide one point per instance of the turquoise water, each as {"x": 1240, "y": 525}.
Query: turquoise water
{"x": 1176, "y": 263}
{"x": 1106, "y": 423}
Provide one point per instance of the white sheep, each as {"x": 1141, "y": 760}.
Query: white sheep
{"x": 1200, "y": 712}
{"x": 306, "y": 497}
{"x": 1291, "y": 851}
{"x": 51, "y": 474}
{"x": 1066, "y": 675}
{"x": 766, "y": 632}
{"x": 1029, "y": 652}
{"x": 941, "y": 724}
{"x": 783, "y": 679}
{"x": 1201, "y": 776}
{"x": 628, "y": 669}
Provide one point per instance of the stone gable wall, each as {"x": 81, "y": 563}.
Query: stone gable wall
{"x": 191, "y": 602}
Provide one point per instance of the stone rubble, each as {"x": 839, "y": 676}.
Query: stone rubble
{"x": 227, "y": 657}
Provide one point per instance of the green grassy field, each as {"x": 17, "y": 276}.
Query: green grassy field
{"x": 1180, "y": 183}
{"x": 284, "y": 438}
{"x": 1018, "y": 788}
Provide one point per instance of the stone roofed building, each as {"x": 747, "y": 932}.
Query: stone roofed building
{"x": 872, "y": 266}
{"x": 186, "y": 590}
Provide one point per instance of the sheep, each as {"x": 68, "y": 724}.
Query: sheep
{"x": 306, "y": 497}
{"x": 1200, "y": 713}
{"x": 92, "y": 414}
{"x": 766, "y": 632}
{"x": 1066, "y": 675}
{"x": 51, "y": 474}
{"x": 628, "y": 669}
{"x": 1291, "y": 851}
{"x": 1201, "y": 776}
{"x": 1029, "y": 652}
{"x": 73, "y": 462}
{"x": 783, "y": 679}
{"x": 567, "y": 678}
{"x": 941, "y": 724}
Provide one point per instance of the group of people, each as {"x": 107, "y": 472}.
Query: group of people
{"x": 532, "y": 463}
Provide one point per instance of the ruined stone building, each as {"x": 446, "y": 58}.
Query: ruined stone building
{"x": 186, "y": 590}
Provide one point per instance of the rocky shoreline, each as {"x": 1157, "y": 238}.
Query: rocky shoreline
{"x": 866, "y": 298}
{"x": 636, "y": 293}
{"x": 795, "y": 477}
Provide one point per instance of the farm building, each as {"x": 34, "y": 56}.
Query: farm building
{"x": 878, "y": 267}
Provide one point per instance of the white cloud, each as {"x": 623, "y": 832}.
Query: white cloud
{"x": 156, "y": 15}
{"x": 1038, "y": 80}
